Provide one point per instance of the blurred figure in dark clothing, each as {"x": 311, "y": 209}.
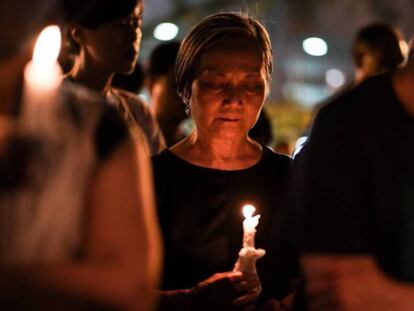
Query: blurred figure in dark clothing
{"x": 355, "y": 190}
{"x": 375, "y": 50}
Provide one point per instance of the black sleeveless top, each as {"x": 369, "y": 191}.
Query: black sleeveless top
{"x": 201, "y": 218}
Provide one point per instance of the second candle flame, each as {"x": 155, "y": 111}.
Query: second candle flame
{"x": 47, "y": 47}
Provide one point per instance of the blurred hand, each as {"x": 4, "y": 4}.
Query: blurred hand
{"x": 227, "y": 290}
{"x": 354, "y": 283}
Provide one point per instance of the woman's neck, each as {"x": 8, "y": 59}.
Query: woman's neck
{"x": 218, "y": 152}
{"x": 90, "y": 74}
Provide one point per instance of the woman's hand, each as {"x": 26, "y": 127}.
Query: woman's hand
{"x": 227, "y": 289}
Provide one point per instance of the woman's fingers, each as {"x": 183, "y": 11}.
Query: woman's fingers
{"x": 248, "y": 290}
{"x": 233, "y": 277}
{"x": 245, "y": 299}
{"x": 247, "y": 285}
{"x": 229, "y": 288}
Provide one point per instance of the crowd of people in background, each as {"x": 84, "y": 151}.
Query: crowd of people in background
{"x": 110, "y": 202}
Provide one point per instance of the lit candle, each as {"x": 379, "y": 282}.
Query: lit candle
{"x": 42, "y": 78}
{"x": 248, "y": 255}
{"x": 249, "y": 225}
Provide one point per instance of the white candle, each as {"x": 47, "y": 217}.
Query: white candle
{"x": 249, "y": 225}
{"x": 248, "y": 255}
{"x": 42, "y": 78}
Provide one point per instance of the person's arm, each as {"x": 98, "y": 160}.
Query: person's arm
{"x": 353, "y": 283}
{"x": 122, "y": 261}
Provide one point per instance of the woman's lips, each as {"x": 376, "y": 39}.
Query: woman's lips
{"x": 229, "y": 119}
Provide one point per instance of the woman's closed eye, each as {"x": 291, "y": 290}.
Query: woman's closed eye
{"x": 213, "y": 85}
{"x": 135, "y": 22}
{"x": 253, "y": 87}
{"x": 219, "y": 86}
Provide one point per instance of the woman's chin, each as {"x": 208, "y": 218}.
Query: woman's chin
{"x": 126, "y": 68}
{"x": 229, "y": 133}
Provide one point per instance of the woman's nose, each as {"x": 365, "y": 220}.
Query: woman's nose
{"x": 232, "y": 95}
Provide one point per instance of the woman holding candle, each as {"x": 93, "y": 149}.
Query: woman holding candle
{"x": 223, "y": 74}
{"x": 104, "y": 39}
{"x": 72, "y": 235}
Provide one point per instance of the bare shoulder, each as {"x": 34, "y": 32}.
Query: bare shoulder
{"x": 136, "y": 104}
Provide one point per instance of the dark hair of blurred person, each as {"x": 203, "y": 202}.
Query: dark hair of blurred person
{"x": 376, "y": 49}
{"x": 167, "y": 105}
{"x": 62, "y": 244}
{"x": 104, "y": 38}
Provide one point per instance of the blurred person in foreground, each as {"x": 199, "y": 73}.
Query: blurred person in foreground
{"x": 354, "y": 181}
{"x": 104, "y": 38}
{"x": 77, "y": 228}
{"x": 223, "y": 73}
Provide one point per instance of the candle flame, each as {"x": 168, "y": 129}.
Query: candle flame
{"x": 248, "y": 210}
{"x": 47, "y": 47}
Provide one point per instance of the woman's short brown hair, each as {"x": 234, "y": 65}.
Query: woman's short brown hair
{"x": 208, "y": 33}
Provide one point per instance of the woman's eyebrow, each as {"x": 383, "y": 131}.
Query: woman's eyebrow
{"x": 248, "y": 71}
{"x": 212, "y": 71}
{"x": 253, "y": 74}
